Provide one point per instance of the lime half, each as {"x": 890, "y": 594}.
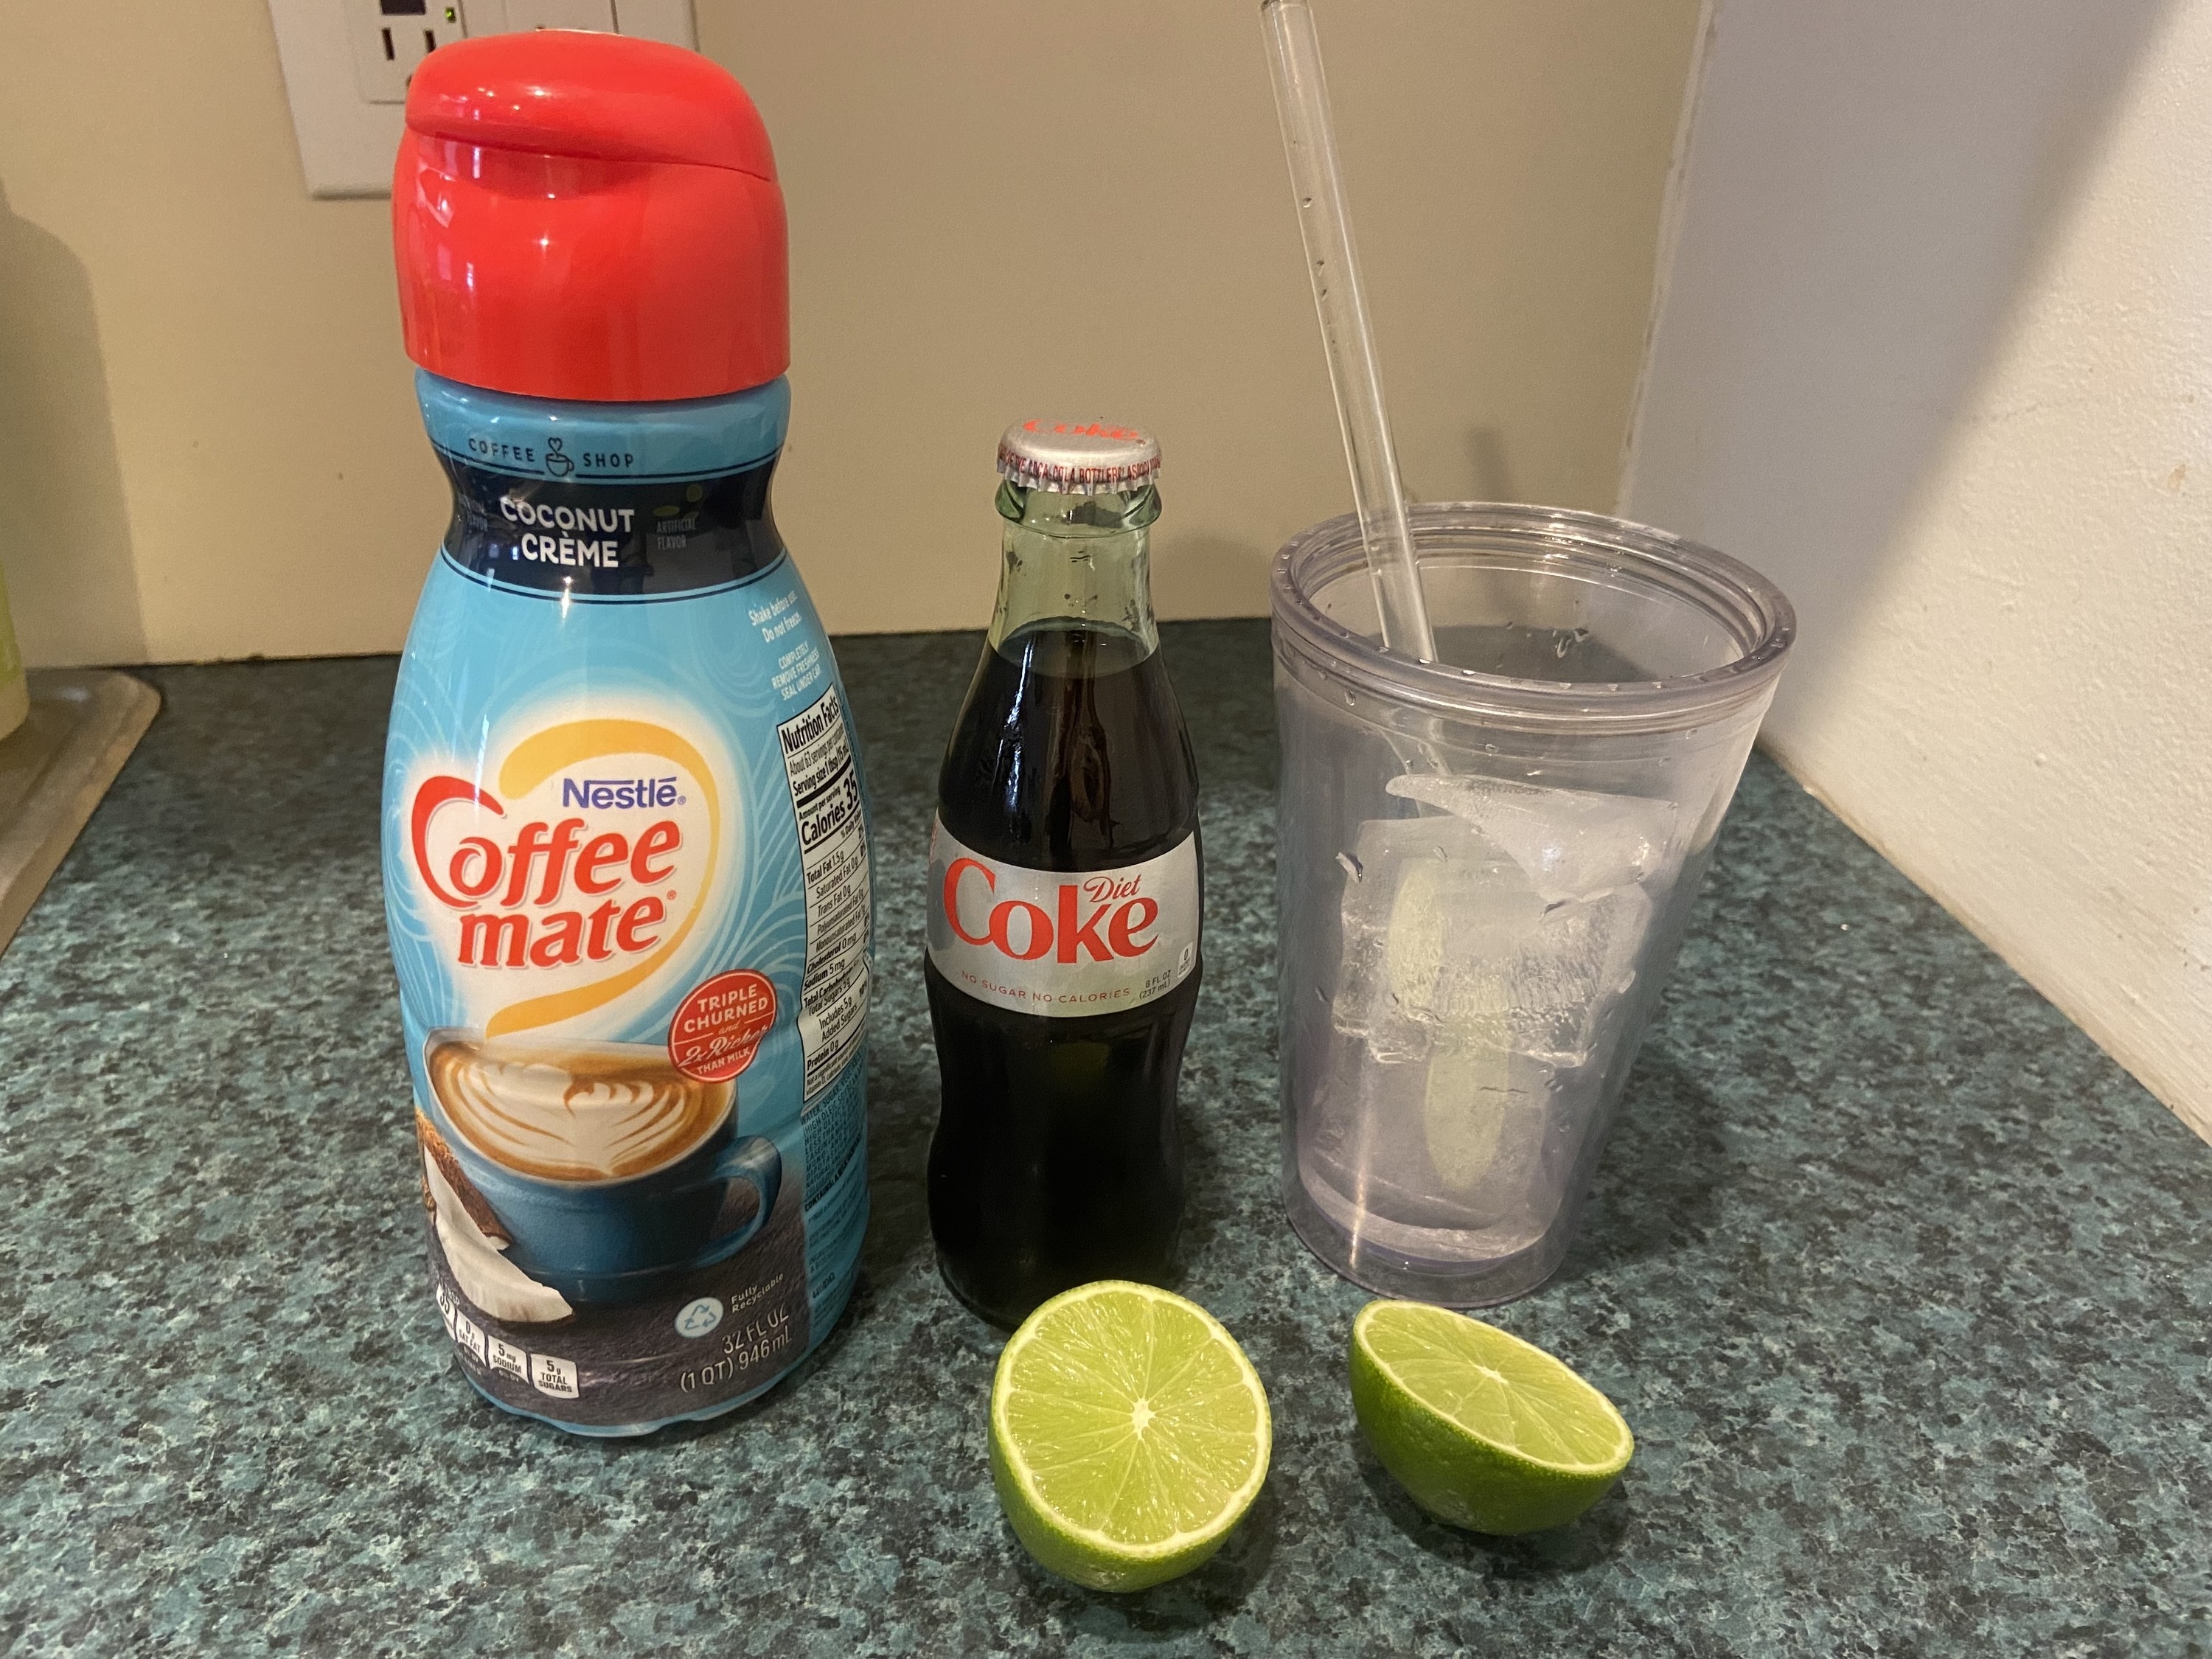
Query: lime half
{"x": 1485, "y": 1430}
{"x": 1128, "y": 1434}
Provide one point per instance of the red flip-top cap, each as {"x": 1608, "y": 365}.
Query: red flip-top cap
{"x": 589, "y": 216}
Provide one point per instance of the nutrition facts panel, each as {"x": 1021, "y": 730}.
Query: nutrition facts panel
{"x": 825, "y": 792}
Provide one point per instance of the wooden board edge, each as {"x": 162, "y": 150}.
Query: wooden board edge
{"x": 33, "y": 847}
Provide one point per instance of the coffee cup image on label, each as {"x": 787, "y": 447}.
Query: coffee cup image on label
{"x": 597, "y": 1170}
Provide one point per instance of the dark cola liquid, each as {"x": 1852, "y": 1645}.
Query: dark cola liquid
{"x": 1057, "y": 1159}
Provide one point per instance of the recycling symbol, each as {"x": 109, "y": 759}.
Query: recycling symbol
{"x": 699, "y": 1317}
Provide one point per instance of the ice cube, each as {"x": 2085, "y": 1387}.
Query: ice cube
{"x": 1448, "y": 943}
{"x": 1569, "y": 978}
{"x": 1483, "y": 1116}
{"x": 1389, "y": 859}
{"x": 1572, "y": 843}
{"x": 1431, "y": 916}
{"x": 1431, "y": 1156}
{"x": 1385, "y": 848}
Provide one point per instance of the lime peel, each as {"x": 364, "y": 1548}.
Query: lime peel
{"x": 1482, "y": 1430}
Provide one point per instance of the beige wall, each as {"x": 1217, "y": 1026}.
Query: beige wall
{"x": 208, "y": 446}
{"x": 1947, "y": 376}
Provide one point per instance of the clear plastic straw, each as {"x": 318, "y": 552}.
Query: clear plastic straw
{"x": 1310, "y": 145}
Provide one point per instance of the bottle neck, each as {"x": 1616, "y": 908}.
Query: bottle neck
{"x": 608, "y": 500}
{"x": 1077, "y": 561}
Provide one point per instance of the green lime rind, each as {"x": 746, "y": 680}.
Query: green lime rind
{"x": 1484, "y": 1431}
{"x": 1072, "y": 1558}
{"x": 1129, "y": 1434}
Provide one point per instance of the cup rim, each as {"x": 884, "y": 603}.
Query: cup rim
{"x": 1730, "y": 592}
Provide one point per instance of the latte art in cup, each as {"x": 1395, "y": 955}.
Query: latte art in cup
{"x": 573, "y": 1111}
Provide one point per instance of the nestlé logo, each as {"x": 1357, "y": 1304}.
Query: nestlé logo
{"x": 605, "y": 794}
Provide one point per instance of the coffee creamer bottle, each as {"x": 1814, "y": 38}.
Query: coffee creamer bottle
{"x": 626, "y": 862}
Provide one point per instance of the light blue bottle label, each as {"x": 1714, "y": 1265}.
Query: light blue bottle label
{"x": 627, "y": 875}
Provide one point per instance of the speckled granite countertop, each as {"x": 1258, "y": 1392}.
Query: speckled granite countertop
{"x": 1902, "y": 1283}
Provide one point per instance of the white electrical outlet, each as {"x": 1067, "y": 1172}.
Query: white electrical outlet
{"x": 390, "y": 36}
{"x": 347, "y": 64}
{"x": 521, "y": 15}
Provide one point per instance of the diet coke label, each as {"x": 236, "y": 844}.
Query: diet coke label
{"x": 1065, "y": 943}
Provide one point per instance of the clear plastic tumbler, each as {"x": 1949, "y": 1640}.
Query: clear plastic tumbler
{"x": 1483, "y": 867}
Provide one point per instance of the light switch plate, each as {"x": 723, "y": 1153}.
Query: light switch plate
{"x": 347, "y": 97}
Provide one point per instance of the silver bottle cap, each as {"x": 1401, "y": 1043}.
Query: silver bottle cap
{"x": 1078, "y": 458}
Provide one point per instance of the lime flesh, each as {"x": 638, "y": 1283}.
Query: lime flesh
{"x": 1482, "y": 1430}
{"x": 1128, "y": 1435}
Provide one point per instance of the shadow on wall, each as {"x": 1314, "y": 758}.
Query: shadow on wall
{"x": 1870, "y": 189}
{"x": 64, "y": 537}
{"x": 1488, "y": 471}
